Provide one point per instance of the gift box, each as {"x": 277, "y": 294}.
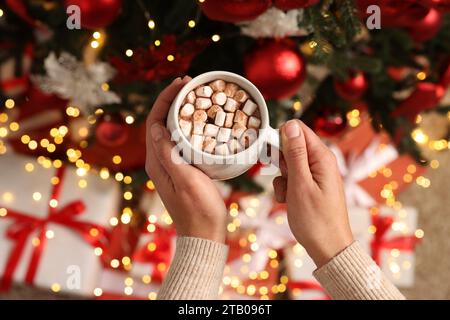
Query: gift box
{"x": 53, "y": 224}
{"x": 117, "y": 285}
{"x": 374, "y": 172}
{"x": 299, "y": 269}
{"x": 258, "y": 230}
{"x": 394, "y": 241}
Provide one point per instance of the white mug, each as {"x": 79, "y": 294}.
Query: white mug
{"x": 216, "y": 166}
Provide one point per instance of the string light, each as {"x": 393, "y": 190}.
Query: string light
{"x": 37, "y": 196}
{"x": 98, "y": 292}
{"x": 114, "y": 263}
{"x": 157, "y": 43}
{"x": 421, "y": 76}
{"x": 151, "y": 24}
{"x": 49, "y": 234}
{"x": 56, "y": 287}
{"x": 98, "y": 251}
{"x": 297, "y": 105}
{"x": 9, "y": 103}
{"x": 129, "y": 119}
{"x": 95, "y": 44}
{"x": 170, "y": 58}
{"x": 129, "y": 52}
{"x": 113, "y": 221}
{"x": 96, "y": 35}
{"x": 1, "y": 13}
{"x": 191, "y": 23}
{"x": 215, "y": 38}
{"x": 116, "y": 159}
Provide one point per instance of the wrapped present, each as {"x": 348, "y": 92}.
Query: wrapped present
{"x": 258, "y": 231}
{"x": 117, "y": 285}
{"x": 377, "y": 174}
{"x": 393, "y": 244}
{"x": 54, "y": 225}
{"x": 153, "y": 253}
{"x": 299, "y": 269}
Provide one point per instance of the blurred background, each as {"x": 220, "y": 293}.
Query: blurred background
{"x": 79, "y": 217}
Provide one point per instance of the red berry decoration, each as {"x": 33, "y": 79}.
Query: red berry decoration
{"x": 353, "y": 88}
{"x": 234, "y": 10}
{"x": 112, "y": 134}
{"x": 294, "y": 4}
{"x": 97, "y": 14}
{"x": 277, "y": 68}
{"x": 330, "y": 123}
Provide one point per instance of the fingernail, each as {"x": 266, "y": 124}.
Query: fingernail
{"x": 292, "y": 129}
{"x": 186, "y": 77}
{"x": 156, "y": 132}
{"x": 177, "y": 79}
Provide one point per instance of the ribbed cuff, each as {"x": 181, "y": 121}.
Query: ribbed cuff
{"x": 196, "y": 270}
{"x": 353, "y": 275}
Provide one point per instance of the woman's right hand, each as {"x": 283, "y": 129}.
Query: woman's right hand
{"x": 312, "y": 187}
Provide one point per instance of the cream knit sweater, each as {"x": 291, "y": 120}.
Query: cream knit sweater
{"x": 197, "y": 268}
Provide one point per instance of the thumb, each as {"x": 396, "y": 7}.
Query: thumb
{"x": 295, "y": 152}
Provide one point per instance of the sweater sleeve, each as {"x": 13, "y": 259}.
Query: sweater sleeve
{"x": 353, "y": 275}
{"x": 196, "y": 270}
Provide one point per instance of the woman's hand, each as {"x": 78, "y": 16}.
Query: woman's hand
{"x": 189, "y": 195}
{"x": 312, "y": 186}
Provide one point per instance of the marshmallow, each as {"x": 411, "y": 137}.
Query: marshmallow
{"x": 234, "y": 146}
{"x": 229, "y": 120}
{"x": 217, "y": 85}
{"x": 190, "y": 98}
{"x": 237, "y": 130}
{"x": 249, "y": 107}
{"x": 213, "y": 110}
{"x": 240, "y": 96}
{"x": 186, "y": 127}
{"x": 219, "y": 98}
{"x": 220, "y": 118}
{"x": 204, "y": 91}
{"x": 231, "y": 105}
{"x": 198, "y": 127}
{"x": 210, "y": 130}
{"x": 230, "y": 89}
{"x": 241, "y": 118}
{"x": 209, "y": 144}
{"x": 200, "y": 115}
{"x": 248, "y": 137}
{"x": 203, "y": 103}
{"x": 222, "y": 149}
{"x": 254, "y": 122}
{"x": 187, "y": 110}
{"x": 197, "y": 141}
{"x": 224, "y": 135}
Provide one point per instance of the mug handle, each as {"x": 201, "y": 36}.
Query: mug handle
{"x": 272, "y": 141}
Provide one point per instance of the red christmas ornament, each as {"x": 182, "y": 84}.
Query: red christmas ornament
{"x": 294, "y": 4}
{"x": 353, "y": 88}
{"x": 276, "y": 68}
{"x": 330, "y": 123}
{"x": 97, "y": 14}
{"x": 112, "y": 134}
{"x": 426, "y": 28}
{"x": 234, "y": 10}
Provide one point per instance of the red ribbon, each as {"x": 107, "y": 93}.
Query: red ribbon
{"x": 379, "y": 242}
{"x": 308, "y": 285}
{"x": 25, "y": 225}
{"x": 162, "y": 238}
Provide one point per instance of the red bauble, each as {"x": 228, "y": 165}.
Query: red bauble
{"x": 97, "y": 14}
{"x": 294, "y": 4}
{"x": 234, "y": 10}
{"x": 426, "y": 28}
{"x": 353, "y": 88}
{"x": 276, "y": 68}
{"x": 330, "y": 123}
{"x": 112, "y": 134}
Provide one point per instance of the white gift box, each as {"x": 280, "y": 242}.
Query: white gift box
{"x": 68, "y": 262}
{"x": 397, "y": 265}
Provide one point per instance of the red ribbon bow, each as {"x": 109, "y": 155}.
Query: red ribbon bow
{"x": 162, "y": 239}
{"x": 24, "y": 225}
{"x": 379, "y": 242}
